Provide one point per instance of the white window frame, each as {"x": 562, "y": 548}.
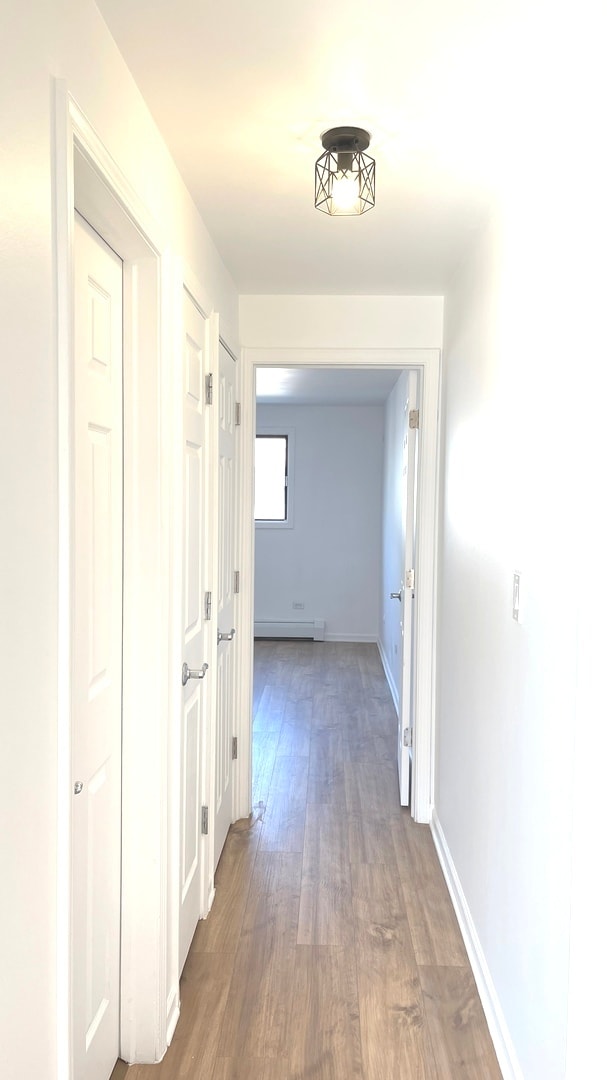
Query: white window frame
{"x": 289, "y": 432}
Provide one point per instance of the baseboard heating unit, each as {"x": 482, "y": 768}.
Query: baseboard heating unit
{"x": 308, "y": 631}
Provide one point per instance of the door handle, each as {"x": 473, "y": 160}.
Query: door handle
{"x": 192, "y": 673}
{"x": 225, "y": 637}
{"x": 396, "y": 595}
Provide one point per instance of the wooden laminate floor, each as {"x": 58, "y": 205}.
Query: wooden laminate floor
{"x": 332, "y": 951}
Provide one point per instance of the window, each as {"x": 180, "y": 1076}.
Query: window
{"x": 272, "y": 479}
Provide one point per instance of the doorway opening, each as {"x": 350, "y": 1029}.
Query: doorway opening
{"x": 427, "y": 364}
{"x": 331, "y": 503}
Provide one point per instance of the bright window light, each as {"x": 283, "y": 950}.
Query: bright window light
{"x": 271, "y": 456}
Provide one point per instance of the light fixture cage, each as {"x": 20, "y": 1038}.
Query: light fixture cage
{"x": 344, "y": 160}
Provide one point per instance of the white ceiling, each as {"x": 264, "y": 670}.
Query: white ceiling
{"x": 242, "y": 89}
{"x": 326, "y": 386}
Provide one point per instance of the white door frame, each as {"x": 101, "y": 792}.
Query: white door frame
{"x": 86, "y": 176}
{"x": 428, "y": 363}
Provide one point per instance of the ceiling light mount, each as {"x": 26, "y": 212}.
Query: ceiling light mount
{"x": 346, "y": 138}
{"x": 345, "y": 175}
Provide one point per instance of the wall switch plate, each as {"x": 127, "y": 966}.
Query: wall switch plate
{"x": 516, "y": 597}
{"x": 298, "y": 606}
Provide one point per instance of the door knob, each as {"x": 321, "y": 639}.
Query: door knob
{"x": 192, "y": 673}
{"x": 78, "y": 786}
{"x": 396, "y": 595}
{"x": 225, "y": 637}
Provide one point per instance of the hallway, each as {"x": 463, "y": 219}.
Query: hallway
{"x": 332, "y": 951}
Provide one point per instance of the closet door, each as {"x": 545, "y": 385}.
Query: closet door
{"x": 97, "y": 654}
{"x": 195, "y": 684}
{"x": 226, "y": 608}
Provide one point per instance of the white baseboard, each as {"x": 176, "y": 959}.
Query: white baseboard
{"x": 496, "y": 1021}
{"x": 364, "y": 639}
{"x": 210, "y": 898}
{"x": 173, "y": 1017}
{"x": 312, "y": 629}
{"x": 389, "y": 676}
{"x": 290, "y": 628}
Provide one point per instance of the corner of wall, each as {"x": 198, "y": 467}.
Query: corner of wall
{"x": 496, "y": 1021}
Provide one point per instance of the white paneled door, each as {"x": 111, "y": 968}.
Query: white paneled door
{"x": 194, "y": 639}
{"x": 96, "y": 655}
{"x": 226, "y": 615}
{"x": 406, "y": 717}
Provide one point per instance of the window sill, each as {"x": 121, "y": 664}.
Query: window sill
{"x": 274, "y": 524}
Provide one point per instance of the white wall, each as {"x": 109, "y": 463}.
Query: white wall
{"x": 391, "y": 642}
{"x": 43, "y": 39}
{"x": 507, "y": 689}
{"x": 330, "y": 559}
{"x": 582, "y": 238}
{"x": 586, "y": 757}
{"x": 341, "y": 322}
{"x": 520, "y": 785}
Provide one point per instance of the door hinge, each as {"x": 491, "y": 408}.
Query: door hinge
{"x": 237, "y": 581}
{"x": 237, "y": 414}
{"x": 407, "y": 737}
{"x": 410, "y": 579}
{"x": 234, "y": 748}
{"x": 414, "y": 418}
{"x": 207, "y": 606}
{"x": 208, "y": 389}
{"x": 204, "y": 820}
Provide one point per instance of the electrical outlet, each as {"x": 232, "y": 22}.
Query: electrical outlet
{"x": 298, "y": 606}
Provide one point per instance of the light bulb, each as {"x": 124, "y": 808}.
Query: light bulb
{"x": 344, "y": 191}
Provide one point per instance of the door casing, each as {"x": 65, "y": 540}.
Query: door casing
{"x": 87, "y": 178}
{"x": 427, "y": 362}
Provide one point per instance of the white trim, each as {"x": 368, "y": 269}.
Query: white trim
{"x": 173, "y": 1014}
{"x": 312, "y": 630}
{"x": 290, "y": 628}
{"x": 244, "y": 640}
{"x": 209, "y": 902}
{"x": 496, "y": 1021}
{"x": 426, "y": 591}
{"x": 149, "y": 994}
{"x": 389, "y": 676}
{"x": 362, "y": 639}
{"x": 192, "y": 284}
{"x": 172, "y": 399}
{"x": 427, "y": 362}
{"x": 242, "y": 766}
{"x": 64, "y": 232}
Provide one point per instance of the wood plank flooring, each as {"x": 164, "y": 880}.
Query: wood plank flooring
{"x": 332, "y": 951}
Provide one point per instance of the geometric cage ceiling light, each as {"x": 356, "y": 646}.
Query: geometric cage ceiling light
{"x": 345, "y": 175}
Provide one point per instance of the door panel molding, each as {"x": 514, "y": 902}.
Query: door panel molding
{"x": 428, "y": 363}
